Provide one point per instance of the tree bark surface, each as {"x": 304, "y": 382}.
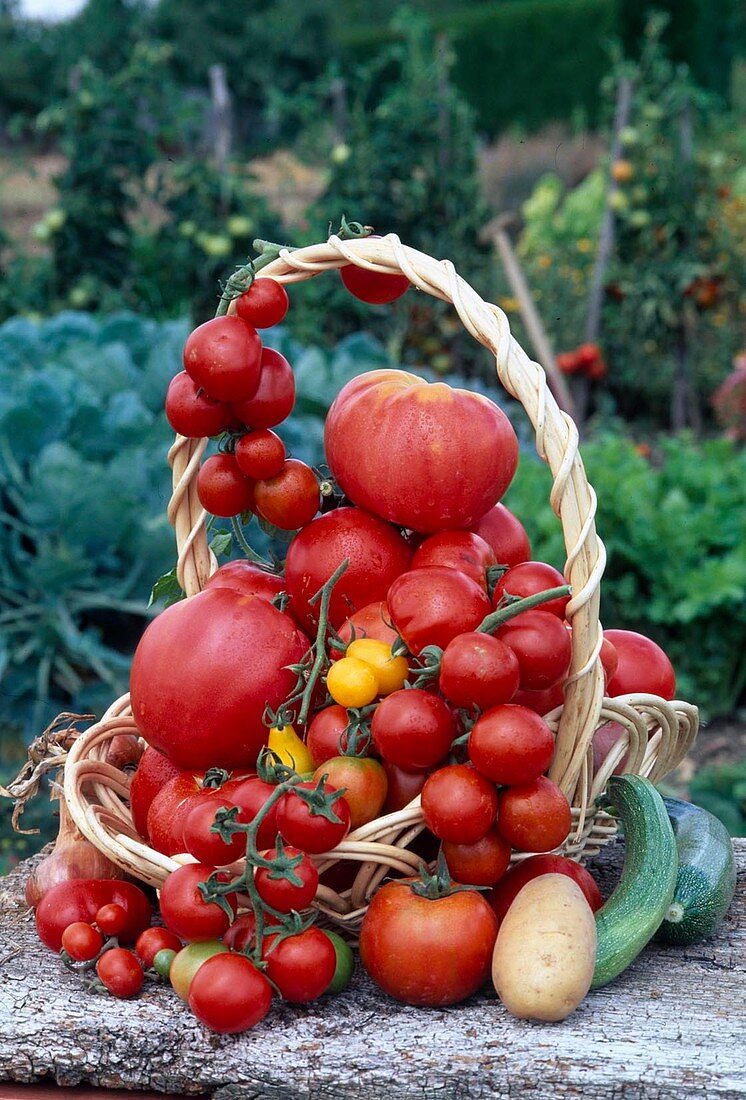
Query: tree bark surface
{"x": 672, "y": 1026}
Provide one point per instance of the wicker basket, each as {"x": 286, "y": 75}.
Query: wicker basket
{"x": 658, "y": 733}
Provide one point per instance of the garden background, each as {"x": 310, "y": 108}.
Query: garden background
{"x": 143, "y": 146}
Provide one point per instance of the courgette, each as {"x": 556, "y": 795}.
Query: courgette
{"x": 634, "y": 912}
{"x": 706, "y": 880}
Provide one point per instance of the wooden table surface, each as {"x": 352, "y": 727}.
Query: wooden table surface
{"x": 673, "y": 1025}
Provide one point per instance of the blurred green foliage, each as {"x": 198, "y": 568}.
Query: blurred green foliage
{"x": 721, "y": 789}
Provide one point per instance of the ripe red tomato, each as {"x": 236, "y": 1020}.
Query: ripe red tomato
{"x": 281, "y": 893}
{"x": 153, "y": 940}
{"x": 260, "y": 454}
{"x": 80, "y": 900}
{"x": 302, "y": 966}
{"x": 427, "y": 952}
{"x": 121, "y": 973}
{"x": 186, "y": 912}
{"x": 542, "y": 644}
{"x": 403, "y": 786}
{"x": 506, "y": 891}
{"x": 604, "y": 740}
{"x": 250, "y": 795}
{"x": 364, "y": 782}
{"x": 482, "y": 863}
{"x": 191, "y": 413}
{"x": 326, "y": 736}
{"x": 201, "y": 842}
{"x": 459, "y": 804}
{"x": 371, "y": 621}
{"x": 541, "y": 702}
{"x": 241, "y": 933}
{"x": 275, "y": 395}
{"x": 510, "y": 744}
{"x": 111, "y": 919}
{"x": 290, "y": 499}
{"x": 169, "y": 809}
{"x": 312, "y": 832}
{"x": 228, "y": 994}
{"x": 431, "y": 606}
{"x": 248, "y": 579}
{"x": 222, "y": 488}
{"x": 264, "y": 304}
{"x": 478, "y": 670}
{"x": 642, "y": 666}
{"x": 531, "y": 577}
{"x": 535, "y": 816}
{"x": 416, "y": 436}
{"x": 153, "y": 772}
{"x": 505, "y": 534}
{"x": 413, "y": 729}
{"x": 377, "y": 288}
{"x": 215, "y": 660}
{"x": 224, "y": 356}
{"x": 460, "y": 550}
{"x": 609, "y": 659}
{"x": 81, "y": 941}
{"x": 376, "y": 553}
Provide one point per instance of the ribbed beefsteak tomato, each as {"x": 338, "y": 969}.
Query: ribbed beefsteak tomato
{"x": 203, "y": 673}
{"x": 420, "y": 454}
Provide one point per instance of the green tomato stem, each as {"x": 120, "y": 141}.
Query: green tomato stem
{"x": 503, "y": 614}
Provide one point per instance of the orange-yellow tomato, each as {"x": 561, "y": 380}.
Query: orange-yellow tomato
{"x": 364, "y": 782}
{"x": 390, "y": 672}
{"x": 352, "y": 683}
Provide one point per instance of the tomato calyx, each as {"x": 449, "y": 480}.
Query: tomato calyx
{"x": 215, "y": 778}
{"x": 493, "y": 573}
{"x": 428, "y": 665}
{"x": 321, "y": 802}
{"x": 438, "y": 884}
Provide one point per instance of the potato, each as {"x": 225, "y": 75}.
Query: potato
{"x": 545, "y": 952}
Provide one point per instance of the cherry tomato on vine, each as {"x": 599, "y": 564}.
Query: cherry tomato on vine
{"x": 281, "y": 893}
{"x": 121, "y": 973}
{"x": 250, "y": 795}
{"x": 510, "y": 744}
{"x": 228, "y": 994}
{"x": 205, "y": 845}
{"x": 303, "y": 966}
{"x": 432, "y": 605}
{"x": 478, "y": 670}
{"x": 459, "y": 804}
{"x": 153, "y": 940}
{"x": 535, "y": 816}
{"x": 241, "y": 933}
{"x": 462, "y": 550}
{"x": 506, "y": 891}
{"x": 527, "y": 579}
{"x": 111, "y": 919}
{"x": 222, "y": 488}
{"x": 191, "y": 413}
{"x": 391, "y": 672}
{"x": 224, "y": 357}
{"x": 290, "y": 499}
{"x": 274, "y": 398}
{"x": 364, "y": 781}
{"x": 260, "y": 454}
{"x": 327, "y": 734}
{"x": 642, "y": 666}
{"x": 352, "y": 683}
{"x": 505, "y": 534}
{"x": 169, "y": 808}
{"x": 413, "y": 729}
{"x": 312, "y": 832}
{"x": 543, "y": 646}
{"x": 186, "y": 912}
{"x": 264, "y": 304}
{"x": 481, "y": 863}
{"x": 81, "y": 941}
{"x": 373, "y": 287}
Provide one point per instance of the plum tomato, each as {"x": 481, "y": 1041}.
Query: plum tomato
{"x": 248, "y": 579}
{"x": 302, "y": 966}
{"x": 459, "y": 804}
{"x": 192, "y": 413}
{"x": 260, "y": 454}
{"x": 282, "y": 894}
{"x": 391, "y": 672}
{"x": 543, "y": 646}
{"x": 371, "y": 621}
{"x": 481, "y": 863}
{"x": 527, "y": 579}
{"x": 224, "y": 357}
{"x": 478, "y": 670}
{"x": 153, "y": 772}
{"x": 229, "y": 995}
{"x": 535, "y": 816}
{"x": 506, "y": 890}
{"x": 264, "y": 304}
{"x": 327, "y": 734}
{"x": 275, "y": 395}
{"x": 290, "y": 499}
{"x": 510, "y": 744}
{"x": 352, "y": 683}
{"x": 426, "y": 951}
{"x": 121, "y": 972}
{"x": 189, "y": 960}
{"x": 432, "y": 605}
{"x": 376, "y": 288}
{"x": 403, "y": 786}
{"x": 505, "y": 534}
{"x": 375, "y": 551}
{"x": 416, "y": 434}
{"x": 460, "y": 550}
{"x": 642, "y": 666}
{"x": 222, "y": 488}
{"x": 82, "y": 941}
{"x": 364, "y": 782}
{"x": 153, "y": 940}
{"x": 186, "y": 912}
{"x": 205, "y": 845}
{"x": 413, "y": 729}
{"x": 302, "y": 824}
{"x": 250, "y": 795}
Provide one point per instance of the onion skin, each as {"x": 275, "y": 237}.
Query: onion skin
{"x": 73, "y": 857}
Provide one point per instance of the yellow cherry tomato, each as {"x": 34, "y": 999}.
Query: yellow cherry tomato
{"x": 352, "y": 683}
{"x": 391, "y": 672}
{"x": 290, "y": 749}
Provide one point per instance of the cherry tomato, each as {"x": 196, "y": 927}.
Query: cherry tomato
{"x": 224, "y": 357}
{"x": 290, "y": 499}
{"x": 529, "y": 578}
{"x": 541, "y": 702}
{"x": 153, "y": 940}
{"x": 352, "y": 683}
{"x": 111, "y": 919}
{"x": 222, "y": 488}
{"x": 303, "y": 966}
{"x": 427, "y": 952}
{"x": 478, "y": 670}
{"x": 403, "y": 787}
{"x": 391, "y": 672}
{"x": 205, "y": 845}
{"x": 642, "y": 666}
{"x": 431, "y": 606}
{"x": 609, "y": 659}
{"x": 371, "y": 621}
{"x": 153, "y": 772}
{"x": 460, "y": 550}
{"x": 264, "y": 304}
{"x": 248, "y": 579}
{"x": 505, "y": 534}
{"x": 413, "y": 729}
{"x": 241, "y": 933}
{"x": 312, "y": 832}
{"x": 281, "y": 893}
{"x": 374, "y": 287}
{"x": 228, "y": 994}
{"x": 506, "y": 891}
{"x": 185, "y": 911}
{"x": 81, "y": 941}
{"x": 275, "y": 396}
{"x": 260, "y": 454}
{"x": 459, "y": 804}
{"x": 511, "y": 744}
{"x": 189, "y": 960}
{"x": 163, "y": 960}
{"x": 191, "y": 413}
{"x": 121, "y": 973}
{"x": 535, "y": 816}
{"x": 542, "y": 645}
{"x": 482, "y": 863}
{"x": 327, "y": 734}
{"x": 364, "y": 782}
{"x": 250, "y": 796}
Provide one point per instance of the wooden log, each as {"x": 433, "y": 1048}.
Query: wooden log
{"x": 672, "y": 1026}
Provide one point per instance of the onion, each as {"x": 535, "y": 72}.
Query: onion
{"x": 73, "y": 857}
{"x": 124, "y": 749}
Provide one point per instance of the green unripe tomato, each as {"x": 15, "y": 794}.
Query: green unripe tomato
{"x": 188, "y": 961}
{"x": 162, "y": 961}
{"x": 345, "y": 963}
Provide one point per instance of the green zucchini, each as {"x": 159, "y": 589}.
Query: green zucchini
{"x": 634, "y": 912}
{"x": 706, "y": 881}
